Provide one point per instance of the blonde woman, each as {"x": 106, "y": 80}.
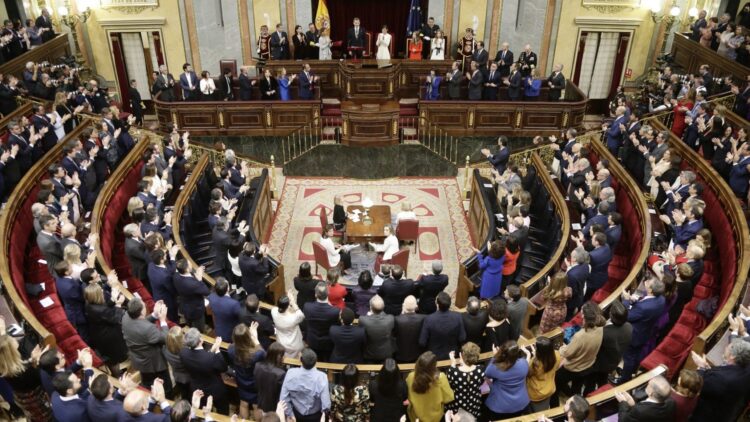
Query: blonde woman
{"x": 105, "y": 328}
{"x": 174, "y": 344}
{"x": 324, "y": 43}
{"x": 134, "y": 203}
{"x": 72, "y": 255}
{"x": 437, "y": 47}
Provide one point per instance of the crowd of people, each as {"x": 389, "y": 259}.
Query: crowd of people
{"x": 18, "y": 37}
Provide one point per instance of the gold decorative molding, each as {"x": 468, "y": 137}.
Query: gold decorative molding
{"x": 390, "y": 87}
{"x": 471, "y": 118}
{"x": 348, "y": 87}
{"x": 565, "y": 119}
{"x": 518, "y": 118}
{"x": 221, "y": 118}
{"x": 174, "y": 118}
{"x": 601, "y": 21}
{"x": 269, "y": 122}
{"x": 247, "y": 51}
{"x": 610, "y": 7}
{"x": 192, "y": 34}
{"x": 345, "y": 128}
{"x": 139, "y": 22}
{"x": 395, "y": 127}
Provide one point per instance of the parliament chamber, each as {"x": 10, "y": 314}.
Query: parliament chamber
{"x": 374, "y": 210}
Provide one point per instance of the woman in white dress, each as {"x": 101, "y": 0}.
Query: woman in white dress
{"x": 324, "y": 43}
{"x": 437, "y": 47}
{"x": 286, "y": 318}
{"x": 384, "y": 44}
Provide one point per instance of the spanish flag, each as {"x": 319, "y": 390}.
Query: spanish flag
{"x": 323, "y": 19}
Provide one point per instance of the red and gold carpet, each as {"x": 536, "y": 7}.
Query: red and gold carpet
{"x": 443, "y": 229}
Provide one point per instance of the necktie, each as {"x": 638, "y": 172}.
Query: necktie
{"x": 492, "y": 75}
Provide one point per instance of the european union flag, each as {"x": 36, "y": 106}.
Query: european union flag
{"x": 415, "y": 18}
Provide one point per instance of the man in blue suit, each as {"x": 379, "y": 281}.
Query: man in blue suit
{"x": 71, "y": 393}
{"x": 599, "y": 218}
{"x": 725, "y": 391}
{"x": 160, "y": 276}
{"x": 320, "y": 317}
{"x": 599, "y": 259}
{"x": 578, "y": 275}
{"x": 70, "y": 292}
{"x": 614, "y": 229}
{"x": 739, "y": 175}
{"x": 675, "y": 195}
{"x": 443, "y": 330}
{"x": 189, "y": 83}
{"x": 105, "y": 404}
{"x": 279, "y": 44}
{"x": 192, "y": 292}
{"x": 137, "y": 402}
{"x": 643, "y": 315}
{"x": 686, "y": 225}
{"x": 499, "y": 160}
{"x": 614, "y": 132}
{"x": 225, "y": 309}
{"x": 306, "y": 81}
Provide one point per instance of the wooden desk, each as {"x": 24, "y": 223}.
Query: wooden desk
{"x": 360, "y": 232}
{"x": 369, "y": 124}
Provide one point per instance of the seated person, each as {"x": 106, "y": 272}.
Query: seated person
{"x": 387, "y": 248}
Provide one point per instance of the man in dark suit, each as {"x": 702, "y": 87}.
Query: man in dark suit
{"x": 255, "y": 269}
{"x": 164, "y": 84}
{"x": 442, "y": 331}
{"x": 698, "y": 25}
{"x": 643, "y": 315}
{"x": 686, "y": 225}
{"x": 499, "y": 160}
{"x": 739, "y": 175}
{"x": 135, "y": 102}
{"x": 70, "y": 292}
{"x": 407, "y": 327}
{"x": 504, "y": 58}
{"x": 599, "y": 259}
{"x": 476, "y": 82}
{"x": 306, "y": 83}
{"x": 279, "y": 44}
{"x": 312, "y": 36}
{"x": 355, "y": 37}
{"x": 104, "y": 404}
{"x": 725, "y": 391}
{"x": 44, "y": 21}
{"x": 205, "y": 368}
{"x": 659, "y": 406}
{"x": 145, "y": 341}
{"x": 225, "y": 85}
{"x": 596, "y": 215}
{"x": 348, "y": 340}
{"x": 42, "y": 123}
{"x": 246, "y": 85}
{"x": 251, "y": 314}
{"x": 578, "y": 275}
{"x": 189, "y": 82}
{"x": 614, "y": 229}
{"x": 192, "y": 292}
{"x": 49, "y": 243}
{"x": 613, "y": 132}
{"x": 160, "y": 277}
{"x": 475, "y": 320}
{"x": 429, "y": 285}
{"x": 428, "y": 32}
{"x": 514, "y": 83}
{"x": 615, "y": 340}
{"x": 69, "y": 399}
{"x": 320, "y": 316}
{"x": 454, "y": 78}
{"x": 135, "y": 250}
{"x": 225, "y": 310}
{"x": 556, "y": 82}
{"x": 394, "y": 290}
{"x": 527, "y": 61}
{"x": 222, "y": 240}
{"x": 136, "y": 405}
{"x": 481, "y": 56}
{"x": 492, "y": 83}
{"x": 378, "y": 327}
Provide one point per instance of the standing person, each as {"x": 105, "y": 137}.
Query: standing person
{"x": 492, "y": 84}
{"x": 136, "y": 103}
{"x": 378, "y": 331}
{"x": 104, "y": 320}
{"x": 540, "y": 383}
{"x": 504, "y": 58}
{"x": 429, "y": 390}
{"x": 23, "y": 377}
{"x": 415, "y": 47}
{"x": 580, "y": 354}
{"x": 443, "y": 330}
{"x": 466, "y": 378}
{"x": 320, "y": 316}
{"x": 428, "y": 286}
{"x": 269, "y": 376}
{"x": 466, "y": 47}
{"x": 225, "y": 85}
{"x": 616, "y": 336}
{"x": 279, "y": 44}
{"x": 189, "y": 83}
{"x": 300, "y": 44}
{"x": 685, "y": 394}
{"x": 268, "y": 86}
{"x": 348, "y": 340}
{"x": 527, "y": 61}
{"x": 174, "y": 344}
{"x": 350, "y": 401}
{"x": 44, "y": 21}
{"x": 643, "y": 314}
{"x": 455, "y": 79}
{"x": 145, "y": 341}
{"x": 324, "y": 46}
{"x": 497, "y": 330}
{"x": 264, "y": 44}
{"x": 304, "y": 284}
{"x": 286, "y": 318}
{"x": 556, "y": 83}
{"x": 306, "y": 84}
{"x": 388, "y": 392}
{"x": 658, "y": 406}
{"x": 205, "y": 368}
{"x": 311, "y": 39}
{"x": 407, "y": 327}
{"x": 491, "y": 265}
{"x": 532, "y": 86}
{"x": 225, "y": 309}
{"x": 476, "y": 82}
{"x": 355, "y": 39}
{"x": 164, "y": 84}
{"x": 246, "y": 84}
{"x": 305, "y": 390}
{"x": 244, "y": 354}
{"x": 284, "y": 82}
{"x": 363, "y": 292}
{"x": 514, "y": 82}
{"x": 429, "y": 33}
{"x": 384, "y": 44}
{"x": 507, "y": 373}
{"x": 336, "y": 292}
{"x": 437, "y": 46}
{"x": 725, "y": 391}
{"x": 698, "y": 25}
{"x": 207, "y": 86}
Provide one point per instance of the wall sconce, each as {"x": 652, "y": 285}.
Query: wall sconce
{"x": 658, "y": 17}
{"x": 72, "y": 21}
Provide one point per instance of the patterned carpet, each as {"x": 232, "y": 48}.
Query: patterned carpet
{"x": 443, "y": 229}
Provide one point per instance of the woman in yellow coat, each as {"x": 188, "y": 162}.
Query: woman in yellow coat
{"x": 429, "y": 390}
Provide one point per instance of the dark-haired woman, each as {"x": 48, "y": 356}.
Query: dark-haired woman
{"x": 350, "y": 402}
{"x": 498, "y": 327}
{"x": 491, "y": 265}
{"x": 540, "y": 382}
{"x": 269, "y": 376}
{"x": 429, "y": 390}
{"x": 244, "y": 353}
{"x": 300, "y": 44}
{"x": 287, "y": 318}
{"x": 507, "y": 373}
{"x": 305, "y": 285}
{"x": 512, "y": 252}
{"x": 387, "y": 393}
{"x": 363, "y": 293}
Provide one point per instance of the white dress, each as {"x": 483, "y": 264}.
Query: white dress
{"x": 324, "y": 46}
{"x": 388, "y": 247}
{"x": 58, "y": 125}
{"x": 333, "y": 255}
{"x": 384, "y": 44}
{"x": 288, "y": 333}
{"x": 438, "y": 49}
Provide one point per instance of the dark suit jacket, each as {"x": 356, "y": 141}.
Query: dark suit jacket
{"x": 614, "y": 233}
{"x": 136, "y": 253}
{"x": 320, "y": 317}
{"x": 599, "y": 261}
{"x": 221, "y": 242}
{"x": 148, "y": 417}
{"x": 394, "y": 292}
{"x": 558, "y": 84}
{"x": 205, "y": 369}
{"x": 643, "y": 316}
{"x": 476, "y": 84}
{"x": 192, "y": 293}
{"x": 407, "y": 328}
{"x": 428, "y": 287}
{"x": 577, "y": 278}
{"x": 490, "y": 92}
{"x": 42, "y": 22}
{"x": 135, "y": 102}
{"x": 379, "y": 330}
{"x": 615, "y": 341}
{"x": 164, "y": 85}
{"x": 104, "y": 410}
{"x": 515, "y": 88}
{"x": 265, "y": 326}
{"x": 51, "y": 248}
{"x": 454, "y": 85}
{"x": 225, "y": 86}
{"x": 226, "y": 312}
{"x": 73, "y": 410}
{"x": 348, "y": 343}
{"x": 162, "y": 287}
{"x": 266, "y": 85}
{"x": 254, "y": 272}
{"x": 474, "y": 326}
{"x": 504, "y": 67}
{"x": 246, "y": 87}
{"x": 355, "y": 41}
{"x": 724, "y": 395}
{"x": 499, "y": 160}
{"x": 481, "y": 57}
{"x": 442, "y": 332}
{"x": 279, "y": 51}
{"x": 646, "y": 411}
{"x": 305, "y": 85}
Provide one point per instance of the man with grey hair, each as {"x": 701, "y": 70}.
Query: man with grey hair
{"x": 659, "y": 406}
{"x": 135, "y": 250}
{"x": 677, "y": 192}
{"x": 145, "y": 341}
{"x": 164, "y": 84}
{"x": 578, "y": 274}
{"x": 613, "y": 132}
{"x": 428, "y": 285}
{"x": 320, "y": 317}
{"x": 407, "y": 327}
{"x": 378, "y": 327}
{"x": 205, "y": 367}
{"x": 643, "y": 314}
{"x": 725, "y": 391}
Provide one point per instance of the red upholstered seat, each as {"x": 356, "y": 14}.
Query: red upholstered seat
{"x": 321, "y": 256}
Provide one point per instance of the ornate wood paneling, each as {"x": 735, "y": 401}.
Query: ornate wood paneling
{"x": 50, "y": 51}
{"x": 691, "y": 55}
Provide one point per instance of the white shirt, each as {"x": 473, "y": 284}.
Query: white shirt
{"x": 388, "y": 247}
{"x": 406, "y": 215}
{"x": 235, "y": 263}
{"x": 207, "y": 86}
{"x": 333, "y": 254}
{"x": 288, "y": 333}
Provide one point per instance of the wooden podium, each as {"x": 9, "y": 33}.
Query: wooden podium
{"x": 369, "y": 124}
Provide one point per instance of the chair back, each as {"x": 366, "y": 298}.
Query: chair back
{"x": 321, "y": 256}
{"x": 323, "y": 218}
{"x": 401, "y": 258}
{"x": 407, "y": 230}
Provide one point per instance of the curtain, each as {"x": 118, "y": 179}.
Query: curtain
{"x": 605, "y": 63}
{"x": 588, "y": 59}
{"x": 135, "y": 62}
{"x": 373, "y": 14}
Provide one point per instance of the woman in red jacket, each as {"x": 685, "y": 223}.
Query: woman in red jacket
{"x": 336, "y": 292}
